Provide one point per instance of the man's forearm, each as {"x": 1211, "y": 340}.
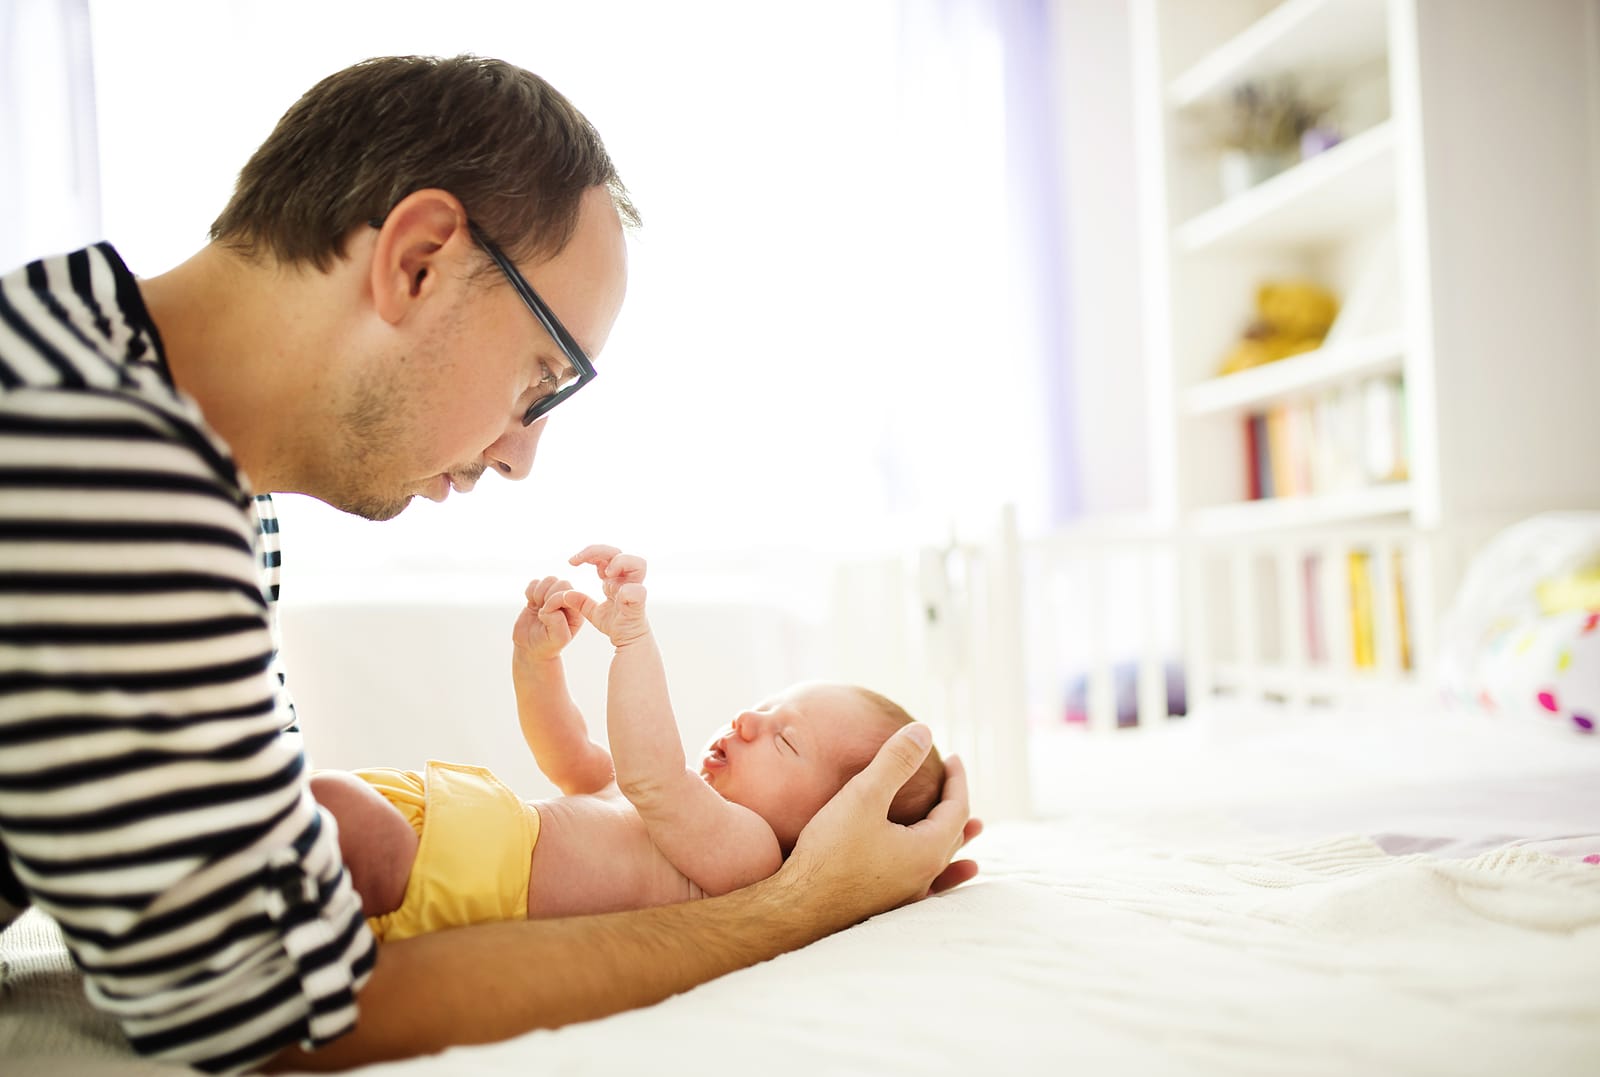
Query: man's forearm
{"x": 493, "y": 981}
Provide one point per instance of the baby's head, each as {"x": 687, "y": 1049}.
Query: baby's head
{"x": 787, "y": 757}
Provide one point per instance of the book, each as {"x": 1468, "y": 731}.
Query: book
{"x": 1383, "y": 430}
{"x": 1281, "y": 469}
{"x": 1344, "y": 437}
{"x": 1402, "y": 631}
{"x": 1253, "y": 455}
{"x": 1311, "y": 582}
{"x": 1363, "y": 650}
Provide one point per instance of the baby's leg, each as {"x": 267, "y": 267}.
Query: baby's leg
{"x": 377, "y": 843}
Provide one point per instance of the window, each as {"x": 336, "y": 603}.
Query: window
{"x": 831, "y": 225}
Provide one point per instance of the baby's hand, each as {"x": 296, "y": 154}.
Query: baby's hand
{"x": 621, "y": 615}
{"x": 551, "y": 618}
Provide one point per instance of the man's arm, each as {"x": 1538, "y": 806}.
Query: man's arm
{"x": 551, "y": 723}
{"x": 150, "y": 801}
{"x": 492, "y": 981}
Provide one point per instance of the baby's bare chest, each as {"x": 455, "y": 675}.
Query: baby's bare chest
{"x": 595, "y": 855}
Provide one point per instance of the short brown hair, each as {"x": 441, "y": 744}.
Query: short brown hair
{"x": 922, "y": 790}
{"x": 501, "y": 139}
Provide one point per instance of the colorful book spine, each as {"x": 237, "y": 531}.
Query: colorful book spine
{"x": 1342, "y": 438}
{"x": 1363, "y": 649}
{"x": 1254, "y": 453}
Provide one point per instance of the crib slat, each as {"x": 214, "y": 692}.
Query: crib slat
{"x": 1100, "y": 690}
{"x": 1292, "y": 615}
{"x": 1150, "y": 682}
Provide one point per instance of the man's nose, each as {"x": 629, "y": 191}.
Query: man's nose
{"x": 512, "y": 455}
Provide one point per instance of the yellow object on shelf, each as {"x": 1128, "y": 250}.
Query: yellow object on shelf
{"x": 1292, "y": 317}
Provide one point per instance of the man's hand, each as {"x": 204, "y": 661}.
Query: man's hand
{"x": 621, "y": 615}
{"x": 852, "y": 861}
{"x": 548, "y": 622}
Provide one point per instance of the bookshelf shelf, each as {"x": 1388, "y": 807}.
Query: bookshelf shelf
{"x": 1297, "y": 377}
{"x": 1317, "y": 201}
{"x": 1288, "y": 513}
{"x": 1297, "y": 36}
{"x": 1453, "y": 393}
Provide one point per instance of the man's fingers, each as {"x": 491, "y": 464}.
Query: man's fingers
{"x": 957, "y": 873}
{"x": 953, "y": 803}
{"x": 973, "y": 828}
{"x": 896, "y": 761}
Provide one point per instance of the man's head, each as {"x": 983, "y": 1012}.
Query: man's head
{"x": 787, "y": 757}
{"x": 391, "y": 180}
{"x": 513, "y": 150}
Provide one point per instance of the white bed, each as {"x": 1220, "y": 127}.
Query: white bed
{"x": 1393, "y": 893}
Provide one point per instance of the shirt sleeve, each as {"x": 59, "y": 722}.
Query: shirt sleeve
{"x": 150, "y": 800}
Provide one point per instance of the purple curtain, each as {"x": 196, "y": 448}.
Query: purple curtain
{"x": 1038, "y": 219}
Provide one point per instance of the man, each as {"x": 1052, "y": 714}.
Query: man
{"x": 415, "y": 267}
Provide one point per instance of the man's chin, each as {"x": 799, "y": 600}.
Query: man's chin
{"x": 377, "y": 510}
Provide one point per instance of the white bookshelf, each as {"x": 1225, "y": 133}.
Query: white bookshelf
{"x": 1301, "y": 37}
{"x": 1310, "y": 510}
{"x": 1369, "y": 356}
{"x": 1318, "y": 201}
{"x": 1459, "y": 222}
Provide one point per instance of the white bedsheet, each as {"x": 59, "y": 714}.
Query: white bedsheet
{"x": 1363, "y": 929}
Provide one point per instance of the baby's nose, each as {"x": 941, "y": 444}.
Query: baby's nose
{"x": 745, "y": 725}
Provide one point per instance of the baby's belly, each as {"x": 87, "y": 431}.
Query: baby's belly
{"x": 594, "y": 855}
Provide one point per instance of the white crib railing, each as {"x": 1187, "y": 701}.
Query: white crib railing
{"x": 1120, "y": 627}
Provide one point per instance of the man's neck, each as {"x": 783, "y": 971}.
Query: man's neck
{"x": 242, "y": 339}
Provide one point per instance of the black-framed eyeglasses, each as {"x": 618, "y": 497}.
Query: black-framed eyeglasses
{"x": 582, "y": 368}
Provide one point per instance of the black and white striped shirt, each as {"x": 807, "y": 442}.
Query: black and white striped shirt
{"x": 153, "y": 794}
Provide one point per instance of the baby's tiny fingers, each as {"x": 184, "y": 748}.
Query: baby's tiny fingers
{"x": 560, "y": 598}
{"x": 597, "y": 555}
{"x": 627, "y": 567}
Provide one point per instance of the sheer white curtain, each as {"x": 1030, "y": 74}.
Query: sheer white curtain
{"x": 49, "y": 175}
{"x": 827, "y": 344}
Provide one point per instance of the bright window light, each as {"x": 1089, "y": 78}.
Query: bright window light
{"x": 821, "y": 350}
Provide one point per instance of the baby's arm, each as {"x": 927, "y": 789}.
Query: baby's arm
{"x": 551, "y": 722}
{"x": 717, "y": 844}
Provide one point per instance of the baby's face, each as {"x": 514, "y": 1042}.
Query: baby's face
{"x": 787, "y": 757}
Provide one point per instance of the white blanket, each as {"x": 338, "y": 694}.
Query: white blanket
{"x": 1147, "y": 945}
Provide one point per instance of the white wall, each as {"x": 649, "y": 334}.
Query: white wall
{"x": 396, "y": 682}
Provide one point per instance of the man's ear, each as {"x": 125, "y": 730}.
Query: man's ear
{"x": 424, "y": 231}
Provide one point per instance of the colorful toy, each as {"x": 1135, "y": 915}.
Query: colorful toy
{"x": 1522, "y": 638}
